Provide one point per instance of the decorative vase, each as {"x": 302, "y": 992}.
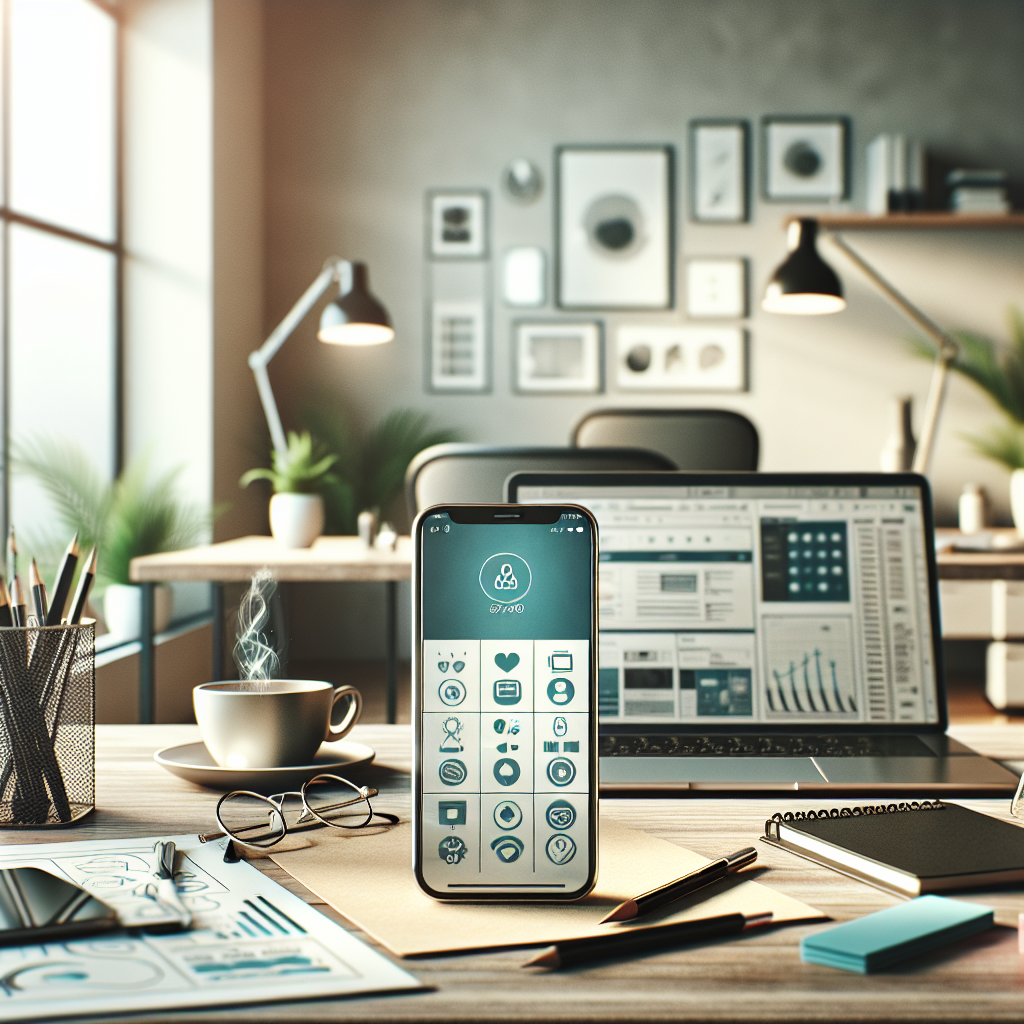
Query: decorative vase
{"x": 898, "y": 453}
{"x": 1017, "y": 499}
{"x": 122, "y": 609}
{"x": 296, "y": 520}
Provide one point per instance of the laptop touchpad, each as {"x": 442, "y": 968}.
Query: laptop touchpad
{"x": 749, "y": 772}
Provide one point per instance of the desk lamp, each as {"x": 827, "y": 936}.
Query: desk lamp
{"x": 355, "y": 317}
{"x": 805, "y": 284}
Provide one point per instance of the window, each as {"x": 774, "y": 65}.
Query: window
{"x": 61, "y": 243}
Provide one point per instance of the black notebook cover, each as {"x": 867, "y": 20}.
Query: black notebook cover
{"x": 934, "y": 844}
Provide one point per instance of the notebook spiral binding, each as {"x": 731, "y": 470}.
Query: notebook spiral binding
{"x": 849, "y": 812}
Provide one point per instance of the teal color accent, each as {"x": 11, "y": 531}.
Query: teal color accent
{"x": 457, "y": 605}
{"x": 888, "y": 936}
{"x": 608, "y": 691}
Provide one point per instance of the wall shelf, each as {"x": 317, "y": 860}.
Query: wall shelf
{"x": 926, "y": 219}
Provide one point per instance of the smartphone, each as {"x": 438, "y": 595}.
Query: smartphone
{"x": 36, "y": 906}
{"x": 505, "y": 702}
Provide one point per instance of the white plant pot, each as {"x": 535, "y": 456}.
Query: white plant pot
{"x": 1017, "y": 499}
{"x": 122, "y": 609}
{"x": 296, "y": 520}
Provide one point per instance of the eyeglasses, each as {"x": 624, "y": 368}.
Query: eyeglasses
{"x": 1017, "y": 803}
{"x": 258, "y": 821}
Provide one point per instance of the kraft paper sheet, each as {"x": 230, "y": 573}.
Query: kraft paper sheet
{"x": 369, "y": 880}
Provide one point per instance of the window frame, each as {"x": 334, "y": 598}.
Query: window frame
{"x": 115, "y": 247}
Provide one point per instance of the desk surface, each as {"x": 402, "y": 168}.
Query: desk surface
{"x": 759, "y": 978}
{"x": 329, "y": 560}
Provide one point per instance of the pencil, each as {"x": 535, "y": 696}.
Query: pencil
{"x": 85, "y": 582}
{"x": 631, "y": 941}
{"x": 12, "y": 556}
{"x": 654, "y": 899}
{"x": 38, "y": 588}
{"x": 17, "y": 602}
{"x": 62, "y": 583}
{"x": 6, "y": 619}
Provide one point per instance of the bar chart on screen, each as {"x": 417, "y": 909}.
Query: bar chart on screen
{"x": 810, "y": 668}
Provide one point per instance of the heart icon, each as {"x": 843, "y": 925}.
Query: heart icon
{"x": 458, "y": 666}
{"x": 443, "y": 666}
{"x": 506, "y": 662}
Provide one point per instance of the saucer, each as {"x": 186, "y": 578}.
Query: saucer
{"x": 192, "y": 761}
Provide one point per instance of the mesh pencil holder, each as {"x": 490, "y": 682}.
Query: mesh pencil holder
{"x": 47, "y": 725}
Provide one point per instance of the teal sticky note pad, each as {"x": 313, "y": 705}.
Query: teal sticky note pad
{"x": 888, "y": 936}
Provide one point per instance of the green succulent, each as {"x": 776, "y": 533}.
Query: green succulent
{"x": 998, "y": 369}
{"x": 302, "y": 469}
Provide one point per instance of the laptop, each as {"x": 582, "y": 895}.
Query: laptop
{"x": 768, "y": 631}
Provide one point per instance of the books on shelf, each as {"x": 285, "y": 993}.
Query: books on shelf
{"x": 895, "y": 175}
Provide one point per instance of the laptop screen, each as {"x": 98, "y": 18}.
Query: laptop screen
{"x": 758, "y": 602}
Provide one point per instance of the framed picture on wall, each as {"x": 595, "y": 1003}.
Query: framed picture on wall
{"x": 660, "y": 358}
{"x": 457, "y": 225}
{"x": 614, "y": 227}
{"x": 719, "y": 164}
{"x": 558, "y": 357}
{"x": 458, "y": 346}
{"x": 805, "y": 158}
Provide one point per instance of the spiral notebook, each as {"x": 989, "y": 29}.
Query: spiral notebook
{"x": 907, "y": 849}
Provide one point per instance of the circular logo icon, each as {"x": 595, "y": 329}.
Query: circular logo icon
{"x": 452, "y": 692}
{"x": 452, "y": 850}
{"x": 452, "y": 772}
{"x": 505, "y": 578}
{"x": 561, "y": 814}
{"x": 561, "y": 691}
{"x": 561, "y": 771}
{"x": 560, "y": 849}
{"x": 507, "y": 815}
{"x": 508, "y": 848}
{"x": 506, "y": 771}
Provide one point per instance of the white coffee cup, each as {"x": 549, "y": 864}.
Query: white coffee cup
{"x": 271, "y": 724}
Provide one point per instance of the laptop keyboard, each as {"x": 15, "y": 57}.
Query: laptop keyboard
{"x": 762, "y": 746}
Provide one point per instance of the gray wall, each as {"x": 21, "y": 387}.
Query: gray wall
{"x": 370, "y": 103}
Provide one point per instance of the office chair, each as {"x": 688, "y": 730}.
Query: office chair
{"x": 473, "y": 472}
{"x": 694, "y": 439}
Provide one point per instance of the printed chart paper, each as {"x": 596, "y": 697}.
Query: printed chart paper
{"x": 251, "y": 941}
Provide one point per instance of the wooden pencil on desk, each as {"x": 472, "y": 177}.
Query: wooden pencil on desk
{"x": 6, "y": 618}
{"x": 62, "y": 583}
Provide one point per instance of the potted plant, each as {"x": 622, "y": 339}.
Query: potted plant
{"x": 999, "y": 371}
{"x": 131, "y": 516}
{"x": 297, "y": 476}
{"x": 370, "y": 470}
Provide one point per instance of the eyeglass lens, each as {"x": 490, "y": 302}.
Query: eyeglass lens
{"x": 257, "y": 820}
{"x": 336, "y": 801}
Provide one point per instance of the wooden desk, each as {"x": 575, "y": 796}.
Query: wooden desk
{"x": 758, "y": 978}
{"x": 979, "y": 565}
{"x": 329, "y": 560}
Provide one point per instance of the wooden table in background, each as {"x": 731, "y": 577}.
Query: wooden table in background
{"x": 756, "y": 979}
{"x": 329, "y": 560}
{"x": 980, "y": 565}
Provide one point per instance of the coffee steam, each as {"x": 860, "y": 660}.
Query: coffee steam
{"x": 255, "y": 654}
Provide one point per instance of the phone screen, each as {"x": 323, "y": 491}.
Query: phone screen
{"x": 506, "y": 765}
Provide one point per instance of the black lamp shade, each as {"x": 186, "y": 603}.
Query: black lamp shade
{"x": 804, "y": 283}
{"x": 355, "y": 317}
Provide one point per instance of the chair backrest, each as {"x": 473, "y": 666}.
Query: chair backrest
{"x": 470, "y": 472}
{"x": 694, "y": 439}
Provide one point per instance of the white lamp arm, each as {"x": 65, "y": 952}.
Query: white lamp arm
{"x": 947, "y": 350}
{"x": 259, "y": 359}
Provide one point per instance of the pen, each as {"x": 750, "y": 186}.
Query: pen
{"x": 38, "y": 588}
{"x": 12, "y": 556}
{"x": 85, "y": 582}
{"x": 639, "y": 940}
{"x": 166, "y": 890}
{"x": 62, "y": 584}
{"x": 657, "y": 898}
